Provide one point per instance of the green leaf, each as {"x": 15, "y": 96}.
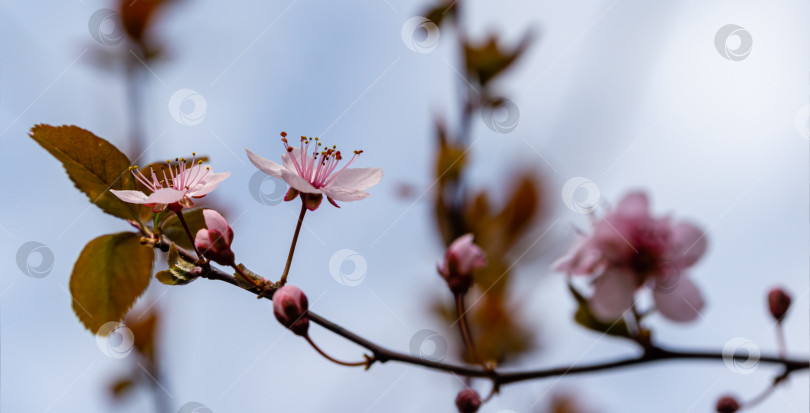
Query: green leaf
{"x": 179, "y": 272}
{"x": 585, "y": 318}
{"x": 242, "y": 282}
{"x": 94, "y": 165}
{"x": 110, "y": 274}
{"x": 172, "y": 228}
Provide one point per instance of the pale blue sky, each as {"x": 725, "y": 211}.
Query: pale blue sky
{"x": 628, "y": 93}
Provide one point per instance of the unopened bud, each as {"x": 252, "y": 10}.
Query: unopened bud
{"x": 290, "y": 307}
{"x": 778, "y": 303}
{"x": 214, "y": 242}
{"x": 468, "y": 401}
{"x": 461, "y": 259}
{"x": 727, "y": 404}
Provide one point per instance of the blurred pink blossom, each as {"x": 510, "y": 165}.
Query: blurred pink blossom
{"x": 629, "y": 249}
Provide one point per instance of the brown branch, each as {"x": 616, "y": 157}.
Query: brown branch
{"x": 382, "y": 354}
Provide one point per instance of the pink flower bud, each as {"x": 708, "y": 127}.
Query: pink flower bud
{"x": 290, "y": 307}
{"x": 461, "y": 259}
{"x": 778, "y": 303}
{"x": 727, "y": 404}
{"x": 468, "y": 401}
{"x": 215, "y": 242}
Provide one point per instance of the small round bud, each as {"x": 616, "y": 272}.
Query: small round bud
{"x": 461, "y": 259}
{"x": 468, "y": 401}
{"x": 727, "y": 404}
{"x": 778, "y": 303}
{"x": 290, "y": 307}
{"x": 214, "y": 242}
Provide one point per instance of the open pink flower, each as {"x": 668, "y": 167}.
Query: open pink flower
{"x": 461, "y": 259}
{"x": 214, "y": 242}
{"x": 630, "y": 249}
{"x": 316, "y": 173}
{"x": 173, "y": 191}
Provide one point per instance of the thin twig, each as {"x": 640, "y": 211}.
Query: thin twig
{"x": 294, "y": 241}
{"x": 382, "y": 354}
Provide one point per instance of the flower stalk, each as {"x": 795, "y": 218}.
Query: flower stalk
{"x": 284, "y": 274}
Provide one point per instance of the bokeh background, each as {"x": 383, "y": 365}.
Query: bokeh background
{"x": 626, "y": 93}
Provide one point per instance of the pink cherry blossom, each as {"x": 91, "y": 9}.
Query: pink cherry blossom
{"x": 630, "y": 249}
{"x": 313, "y": 170}
{"x": 461, "y": 259}
{"x": 214, "y": 242}
{"x": 173, "y": 191}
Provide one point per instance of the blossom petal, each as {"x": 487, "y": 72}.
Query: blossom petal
{"x": 358, "y": 178}
{"x": 292, "y": 179}
{"x": 344, "y": 194}
{"x": 202, "y": 240}
{"x": 165, "y": 196}
{"x": 133, "y": 197}
{"x": 687, "y": 244}
{"x": 634, "y": 205}
{"x": 216, "y": 222}
{"x": 468, "y": 256}
{"x": 287, "y": 159}
{"x": 582, "y": 258}
{"x": 613, "y": 294}
{"x": 208, "y": 184}
{"x": 265, "y": 165}
{"x": 682, "y": 303}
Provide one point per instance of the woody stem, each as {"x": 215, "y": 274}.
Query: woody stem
{"x": 188, "y": 233}
{"x": 294, "y": 241}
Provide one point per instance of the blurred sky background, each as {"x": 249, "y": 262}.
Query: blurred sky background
{"x": 628, "y": 93}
